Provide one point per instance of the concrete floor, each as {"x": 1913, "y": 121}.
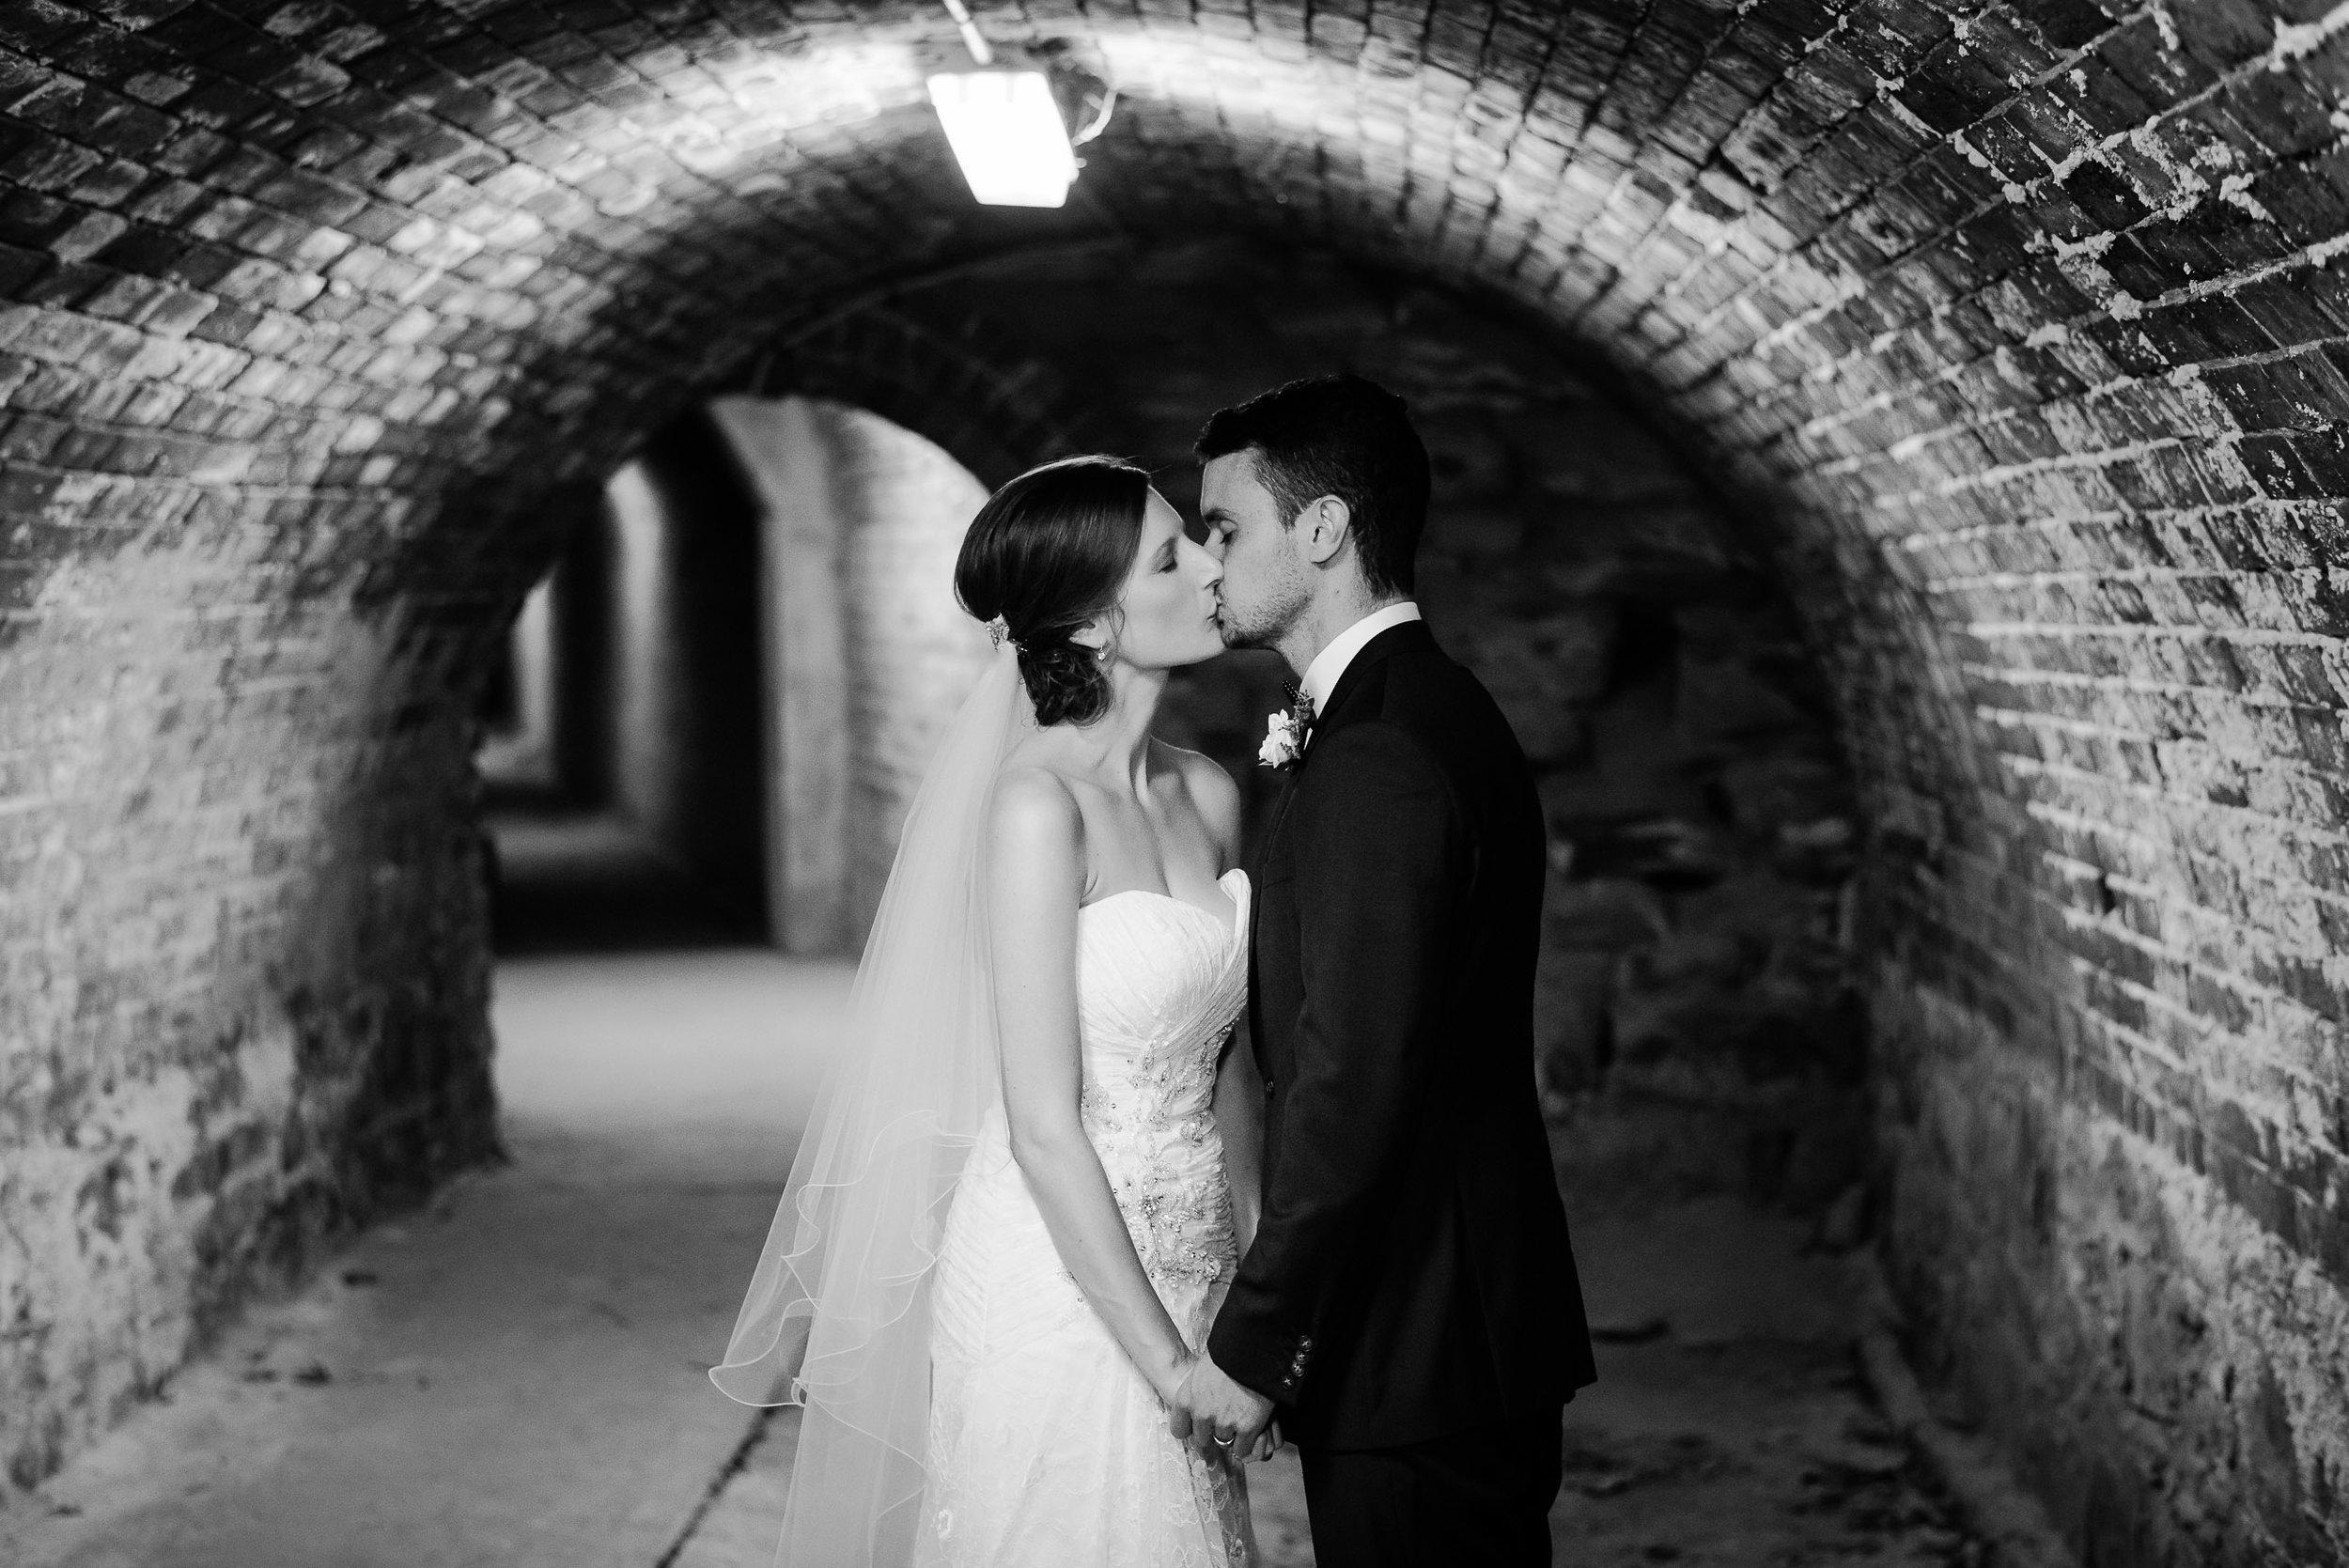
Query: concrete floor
{"x": 515, "y": 1378}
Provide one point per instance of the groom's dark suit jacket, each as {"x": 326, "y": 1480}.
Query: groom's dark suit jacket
{"x": 1412, "y": 1276}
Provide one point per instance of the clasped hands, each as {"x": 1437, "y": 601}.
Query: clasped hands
{"x": 1221, "y": 1419}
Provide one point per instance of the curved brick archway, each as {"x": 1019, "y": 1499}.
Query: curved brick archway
{"x": 993, "y": 408}
{"x": 2019, "y": 324}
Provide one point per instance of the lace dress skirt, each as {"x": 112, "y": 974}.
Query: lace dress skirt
{"x": 1048, "y": 1449}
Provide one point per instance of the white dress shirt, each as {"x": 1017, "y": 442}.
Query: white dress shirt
{"x": 1321, "y": 676}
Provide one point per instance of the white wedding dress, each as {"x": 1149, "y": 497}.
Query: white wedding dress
{"x": 1048, "y": 1448}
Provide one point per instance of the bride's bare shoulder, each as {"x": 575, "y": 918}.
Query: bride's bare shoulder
{"x": 1035, "y": 842}
{"x": 1035, "y": 812}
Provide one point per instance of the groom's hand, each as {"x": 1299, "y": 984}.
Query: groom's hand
{"x": 1221, "y": 1418}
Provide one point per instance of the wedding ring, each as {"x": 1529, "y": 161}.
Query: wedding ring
{"x": 1220, "y": 1443}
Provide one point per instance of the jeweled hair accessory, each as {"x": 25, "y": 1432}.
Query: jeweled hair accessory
{"x": 999, "y": 633}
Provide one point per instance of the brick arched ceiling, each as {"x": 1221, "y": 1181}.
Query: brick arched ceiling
{"x": 2022, "y": 311}
{"x": 2022, "y": 323}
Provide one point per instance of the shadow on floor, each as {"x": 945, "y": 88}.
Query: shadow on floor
{"x": 570, "y": 881}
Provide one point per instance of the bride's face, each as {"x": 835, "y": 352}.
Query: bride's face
{"x": 1166, "y": 612}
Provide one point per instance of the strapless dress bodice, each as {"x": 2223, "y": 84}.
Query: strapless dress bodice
{"x": 1159, "y": 984}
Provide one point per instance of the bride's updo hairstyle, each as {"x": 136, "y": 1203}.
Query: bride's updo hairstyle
{"x": 1048, "y": 553}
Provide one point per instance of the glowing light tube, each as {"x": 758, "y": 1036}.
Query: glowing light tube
{"x": 1007, "y": 135}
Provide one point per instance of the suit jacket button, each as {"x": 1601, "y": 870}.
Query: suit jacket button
{"x": 1268, "y": 1089}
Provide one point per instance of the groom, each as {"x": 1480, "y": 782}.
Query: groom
{"x": 1410, "y": 1308}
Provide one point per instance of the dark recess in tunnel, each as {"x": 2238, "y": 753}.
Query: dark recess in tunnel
{"x": 692, "y": 804}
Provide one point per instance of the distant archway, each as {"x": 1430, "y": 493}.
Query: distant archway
{"x": 716, "y": 708}
{"x": 867, "y": 653}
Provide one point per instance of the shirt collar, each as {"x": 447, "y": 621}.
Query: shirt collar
{"x": 1321, "y": 676}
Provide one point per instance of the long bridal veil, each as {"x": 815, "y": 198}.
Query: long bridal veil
{"x": 838, "y": 1318}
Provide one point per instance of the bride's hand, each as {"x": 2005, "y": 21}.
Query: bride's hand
{"x": 1267, "y": 1442}
{"x": 1170, "y": 1385}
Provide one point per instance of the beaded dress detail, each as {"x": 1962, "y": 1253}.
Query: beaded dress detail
{"x": 1048, "y": 1448}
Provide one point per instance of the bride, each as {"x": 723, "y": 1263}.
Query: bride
{"x": 1028, "y": 1184}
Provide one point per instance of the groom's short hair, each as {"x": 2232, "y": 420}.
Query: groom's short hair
{"x": 1337, "y": 435}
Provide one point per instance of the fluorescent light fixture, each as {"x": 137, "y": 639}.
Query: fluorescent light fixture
{"x": 1007, "y": 135}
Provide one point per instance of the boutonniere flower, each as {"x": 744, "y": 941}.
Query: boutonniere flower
{"x": 1283, "y": 741}
{"x": 1284, "y": 734}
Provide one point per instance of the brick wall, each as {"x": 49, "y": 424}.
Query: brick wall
{"x": 2013, "y": 326}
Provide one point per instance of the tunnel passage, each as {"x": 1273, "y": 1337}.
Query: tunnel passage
{"x": 711, "y": 718}
{"x": 2015, "y": 329}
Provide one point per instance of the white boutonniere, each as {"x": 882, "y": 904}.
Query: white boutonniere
{"x": 1282, "y": 740}
{"x": 1284, "y": 734}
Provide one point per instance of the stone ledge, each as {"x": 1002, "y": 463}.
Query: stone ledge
{"x": 1995, "y": 1505}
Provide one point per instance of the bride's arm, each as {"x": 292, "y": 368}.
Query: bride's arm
{"x": 1037, "y": 844}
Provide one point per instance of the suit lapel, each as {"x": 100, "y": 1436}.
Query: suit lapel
{"x": 1280, "y": 812}
{"x": 1373, "y": 653}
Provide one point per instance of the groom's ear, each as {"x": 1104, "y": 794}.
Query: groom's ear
{"x": 1322, "y": 528}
